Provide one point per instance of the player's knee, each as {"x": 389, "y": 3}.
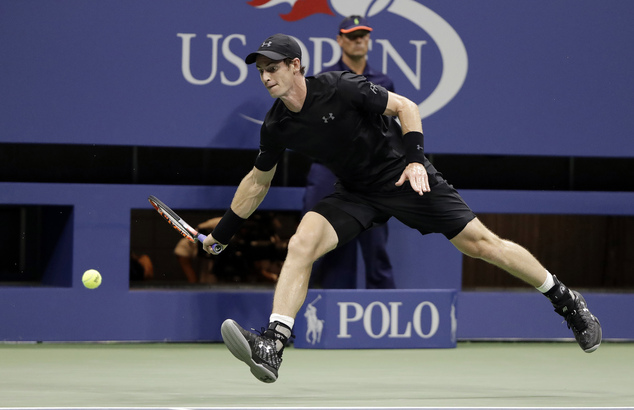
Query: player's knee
{"x": 303, "y": 246}
{"x": 473, "y": 250}
{"x": 484, "y": 247}
{"x": 492, "y": 250}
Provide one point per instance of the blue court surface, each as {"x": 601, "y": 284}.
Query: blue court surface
{"x": 207, "y": 376}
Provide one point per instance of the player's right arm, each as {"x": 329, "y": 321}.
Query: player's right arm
{"x": 251, "y": 191}
{"x": 249, "y": 195}
{"x": 409, "y": 117}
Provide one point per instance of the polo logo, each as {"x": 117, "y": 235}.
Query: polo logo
{"x": 315, "y": 326}
{"x": 329, "y": 117}
{"x": 425, "y": 325}
{"x": 360, "y": 318}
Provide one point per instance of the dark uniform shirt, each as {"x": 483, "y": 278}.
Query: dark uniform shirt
{"x": 341, "y": 125}
{"x": 370, "y": 73}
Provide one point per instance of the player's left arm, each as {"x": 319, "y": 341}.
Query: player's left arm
{"x": 409, "y": 116}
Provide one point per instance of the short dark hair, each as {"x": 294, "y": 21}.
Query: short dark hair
{"x": 289, "y": 61}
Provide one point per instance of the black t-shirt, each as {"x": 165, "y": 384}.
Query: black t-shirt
{"x": 342, "y": 126}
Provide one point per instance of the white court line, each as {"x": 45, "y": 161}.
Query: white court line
{"x": 309, "y": 408}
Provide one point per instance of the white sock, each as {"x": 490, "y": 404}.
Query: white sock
{"x": 548, "y": 283}
{"x": 287, "y": 320}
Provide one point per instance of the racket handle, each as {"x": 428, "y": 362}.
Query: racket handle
{"x": 216, "y": 248}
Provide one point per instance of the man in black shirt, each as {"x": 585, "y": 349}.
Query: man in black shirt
{"x": 338, "y": 269}
{"x": 347, "y": 123}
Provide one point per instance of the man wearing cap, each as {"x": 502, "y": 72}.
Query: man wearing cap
{"x": 354, "y": 40}
{"x": 337, "y": 269}
{"x": 348, "y": 124}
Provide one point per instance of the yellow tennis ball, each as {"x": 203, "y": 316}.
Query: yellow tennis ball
{"x": 91, "y": 279}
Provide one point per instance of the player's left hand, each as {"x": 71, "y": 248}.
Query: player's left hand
{"x": 416, "y": 174}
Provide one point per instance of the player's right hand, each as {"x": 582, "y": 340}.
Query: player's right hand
{"x": 212, "y": 246}
{"x": 417, "y": 176}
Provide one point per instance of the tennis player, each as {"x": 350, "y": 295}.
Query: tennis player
{"x": 348, "y": 124}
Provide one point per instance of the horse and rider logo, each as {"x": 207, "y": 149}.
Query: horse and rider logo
{"x": 314, "y": 325}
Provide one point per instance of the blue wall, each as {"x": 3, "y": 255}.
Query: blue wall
{"x": 97, "y": 235}
{"x": 531, "y": 77}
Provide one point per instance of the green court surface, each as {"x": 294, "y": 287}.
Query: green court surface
{"x": 208, "y": 376}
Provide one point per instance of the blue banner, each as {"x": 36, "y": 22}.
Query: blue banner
{"x": 377, "y": 319}
{"x": 531, "y": 77}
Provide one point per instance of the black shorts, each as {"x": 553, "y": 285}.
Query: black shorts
{"x": 440, "y": 211}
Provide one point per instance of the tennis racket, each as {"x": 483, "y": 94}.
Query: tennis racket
{"x": 181, "y": 226}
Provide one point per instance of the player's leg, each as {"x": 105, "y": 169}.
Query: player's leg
{"x": 337, "y": 269}
{"x": 314, "y": 237}
{"x": 477, "y": 241}
{"x": 263, "y": 353}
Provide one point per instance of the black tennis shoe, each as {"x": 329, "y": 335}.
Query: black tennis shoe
{"x": 573, "y": 307}
{"x": 259, "y": 352}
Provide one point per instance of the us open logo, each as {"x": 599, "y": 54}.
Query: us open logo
{"x": 319, "y": 53}
{"x": 452, "y": 49}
